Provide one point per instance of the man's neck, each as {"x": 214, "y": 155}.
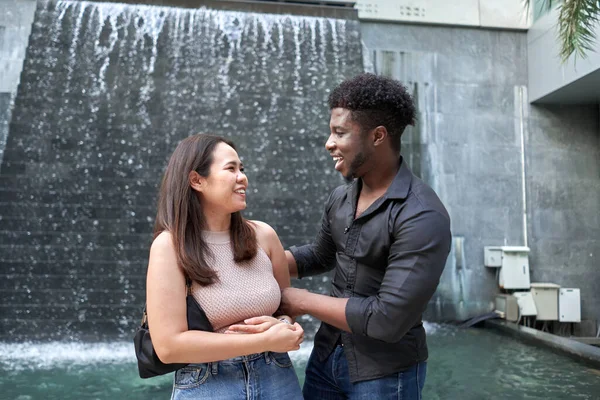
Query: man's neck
{"x": 379, "y": 178}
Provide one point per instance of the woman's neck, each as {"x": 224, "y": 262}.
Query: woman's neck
{"x": 217, "y": 222}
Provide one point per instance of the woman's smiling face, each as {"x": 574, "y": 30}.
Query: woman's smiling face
{"x": 225, "y": 186}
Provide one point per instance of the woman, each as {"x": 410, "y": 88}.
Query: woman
{"x": 237, "y": 268}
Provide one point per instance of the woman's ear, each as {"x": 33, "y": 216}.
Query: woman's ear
{"x": 196, "y": 181}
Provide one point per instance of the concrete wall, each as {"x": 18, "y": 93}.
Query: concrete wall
{"x": 16, "y": 17}
{"x": 471, "y": 89}
{"x": 506, "y": 14}
{"x": 551, "y": 80}
{"x": 563, "y": 173}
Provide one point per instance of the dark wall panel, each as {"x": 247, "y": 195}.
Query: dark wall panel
{"x": 106, "y": 93}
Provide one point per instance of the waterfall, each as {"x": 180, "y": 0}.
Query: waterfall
{"x": 106, "y": 92}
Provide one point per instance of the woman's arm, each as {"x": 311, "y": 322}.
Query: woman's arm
{"x": 167, "y": 318}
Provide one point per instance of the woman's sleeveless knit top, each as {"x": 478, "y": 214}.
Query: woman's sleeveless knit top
{"x": 243, "y": 290}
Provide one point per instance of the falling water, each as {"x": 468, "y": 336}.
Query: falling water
{"x": 107, "y": 91}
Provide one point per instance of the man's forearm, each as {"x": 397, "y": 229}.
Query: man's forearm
{"x": 331, "y": 310}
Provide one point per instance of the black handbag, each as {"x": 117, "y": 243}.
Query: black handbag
{"x": 149, "y": 365}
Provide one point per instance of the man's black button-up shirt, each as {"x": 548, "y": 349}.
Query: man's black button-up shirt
{"x": 388, "y": 262}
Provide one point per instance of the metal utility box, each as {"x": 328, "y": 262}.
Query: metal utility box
{"x": 569, "y": 305}
{"x": 526, "y": 303}
{"x": 492, "y": 256}
{"x": 507, "y": 306}
{"x": 514, "y": 273}
{"x": 545, "y": 296}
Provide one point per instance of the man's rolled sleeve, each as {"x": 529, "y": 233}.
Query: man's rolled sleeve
{"x": 357, "y": 314}
{"x": 415, "y": 263}
{"x": 304, "y": 257}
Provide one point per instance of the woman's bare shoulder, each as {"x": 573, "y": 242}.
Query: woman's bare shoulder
{"x": 263, "y": 229}
{"x": 162, "y": 251}
{"x": 164, "y": 241}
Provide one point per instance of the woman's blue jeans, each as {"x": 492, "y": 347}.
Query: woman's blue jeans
{"x": 330, "y": 380}
{"x": 257, "y": 376}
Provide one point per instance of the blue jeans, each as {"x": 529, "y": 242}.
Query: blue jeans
{"x": 256, "y": 376}
{"x": 330, "y": 380}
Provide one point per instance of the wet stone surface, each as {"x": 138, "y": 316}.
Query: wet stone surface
{"x": 107, "y": 91}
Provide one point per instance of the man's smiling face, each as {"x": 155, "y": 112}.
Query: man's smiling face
{"x": 347, "y": 144}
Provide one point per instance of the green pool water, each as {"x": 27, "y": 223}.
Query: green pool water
{"x": 464, "y": 364}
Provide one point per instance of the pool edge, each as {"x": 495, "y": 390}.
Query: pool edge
{"x": 583, "y": 352}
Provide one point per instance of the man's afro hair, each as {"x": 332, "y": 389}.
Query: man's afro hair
{"x": 375, "y": 100}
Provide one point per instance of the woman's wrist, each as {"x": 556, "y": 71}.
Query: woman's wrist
{"x": 285, "y": 319}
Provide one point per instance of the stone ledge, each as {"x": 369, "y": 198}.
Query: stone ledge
{"x": 332, "y": 9}
{"x": 580, "y": 351}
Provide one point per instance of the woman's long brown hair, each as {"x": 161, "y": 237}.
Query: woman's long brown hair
{"x": 180, "y": 211}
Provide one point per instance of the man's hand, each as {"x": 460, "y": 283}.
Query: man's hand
{"x": 292, "y": 300}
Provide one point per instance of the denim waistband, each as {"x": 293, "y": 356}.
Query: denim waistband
{"x": 249, "y": 357}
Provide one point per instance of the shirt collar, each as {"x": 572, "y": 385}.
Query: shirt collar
{"x": 401, "y": 183}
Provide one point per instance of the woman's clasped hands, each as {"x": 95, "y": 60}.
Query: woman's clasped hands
{"x": 280, "y": 336}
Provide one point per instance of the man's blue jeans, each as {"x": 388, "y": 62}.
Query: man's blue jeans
{"x": 330, "y": 380}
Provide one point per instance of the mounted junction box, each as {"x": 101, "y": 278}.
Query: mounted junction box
{"x": 545, "y": 296}
{"x": 526, "y": 303}
{"x": 492, "y": 256}
{"x": 507, "y": 306}
{"x": 569, "y": 305}
{"x": 514, "y": 272}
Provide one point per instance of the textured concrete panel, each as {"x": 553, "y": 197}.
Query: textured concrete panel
{"x": 470, "y": 152}
{"x": 564, "y": 188}
{"x": 16, "y": 17}
{"x": 549, "y": 75}
{"x": 503, "y": 14}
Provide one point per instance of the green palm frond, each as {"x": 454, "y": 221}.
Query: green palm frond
{"x": 577, "y": 21}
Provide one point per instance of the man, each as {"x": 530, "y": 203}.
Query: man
{"x": 387, "y": 236}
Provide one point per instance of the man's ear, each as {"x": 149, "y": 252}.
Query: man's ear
{"x": 196, "y": 181}
{"x": 379, "y": 135}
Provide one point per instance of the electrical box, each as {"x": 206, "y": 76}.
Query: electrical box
{"x": 545, "y": 296}
{"x": 492, "y": 256}
{"x": 569, "y": 305}
{"x": 507, "y": 306}
{"x": 526, "y": 303}
{"x": 514, "y": 273}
